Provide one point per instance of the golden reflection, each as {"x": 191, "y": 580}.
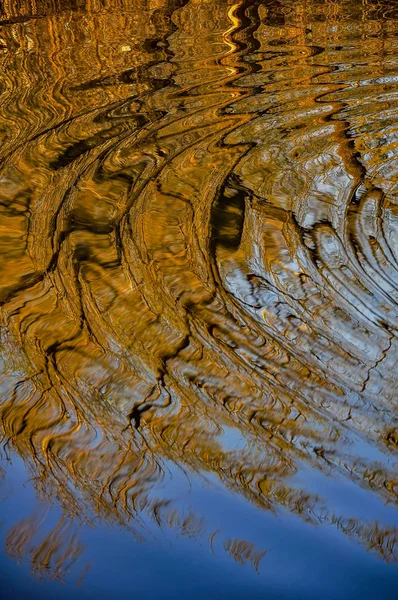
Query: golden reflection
{"x": 198, "y": 245}
{"x": 54, "y": 555}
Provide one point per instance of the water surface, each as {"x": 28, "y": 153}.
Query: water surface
{"x": 198, "y": 298}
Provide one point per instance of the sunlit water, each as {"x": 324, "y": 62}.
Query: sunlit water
{"x": 198, "y": 298}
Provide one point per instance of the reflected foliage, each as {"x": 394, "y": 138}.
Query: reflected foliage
{"x": 198, "y": 249}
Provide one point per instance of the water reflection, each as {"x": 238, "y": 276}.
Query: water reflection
{"x": 199, "y": 268}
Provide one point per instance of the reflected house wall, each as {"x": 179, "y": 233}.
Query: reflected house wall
{"x": 130, "y": 322}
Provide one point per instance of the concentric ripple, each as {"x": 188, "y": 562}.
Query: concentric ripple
{"x": 199, "y": 251}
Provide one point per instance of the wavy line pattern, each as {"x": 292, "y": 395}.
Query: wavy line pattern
{"x": 198, "y": 246}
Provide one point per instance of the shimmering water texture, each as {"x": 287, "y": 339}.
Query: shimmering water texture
{"x": 198, "y": 298}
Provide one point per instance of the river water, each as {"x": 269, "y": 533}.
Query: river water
{"x": 198, "y": 299}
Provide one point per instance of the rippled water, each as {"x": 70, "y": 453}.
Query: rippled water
{"x": 198, "y": 298}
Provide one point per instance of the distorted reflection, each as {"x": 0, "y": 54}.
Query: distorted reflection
{"x": 199, "y": 262}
